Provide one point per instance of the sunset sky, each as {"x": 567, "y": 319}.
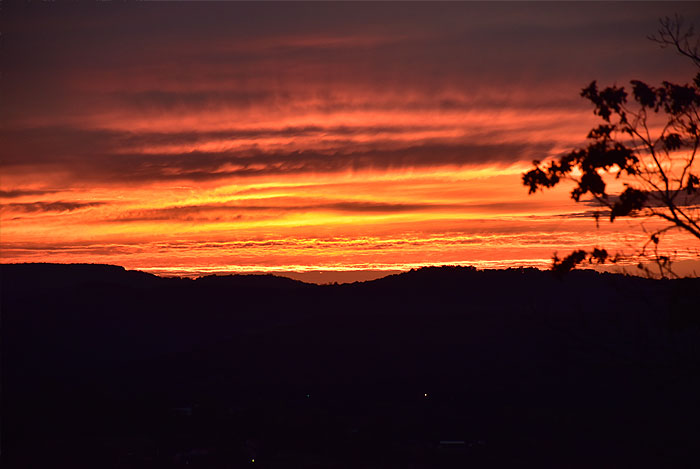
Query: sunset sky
{"x": 189, "y": 138}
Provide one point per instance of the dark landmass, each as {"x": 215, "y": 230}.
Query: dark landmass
{"x": 439, "y": 367}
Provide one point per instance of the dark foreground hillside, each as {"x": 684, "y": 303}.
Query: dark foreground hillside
{"x": 440, "y": 367}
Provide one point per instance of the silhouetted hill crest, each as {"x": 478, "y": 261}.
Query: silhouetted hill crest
{"x": 252, "y": 281}
{"x": 48, "y": 275}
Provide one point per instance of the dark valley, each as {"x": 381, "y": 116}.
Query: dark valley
{"x": 437, "y": 367}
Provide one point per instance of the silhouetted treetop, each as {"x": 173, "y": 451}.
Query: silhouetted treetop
{"x": 640, "y": 160}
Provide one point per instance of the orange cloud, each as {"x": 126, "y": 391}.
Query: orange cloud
{"x": 323, "y": 139}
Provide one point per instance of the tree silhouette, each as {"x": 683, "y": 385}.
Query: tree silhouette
{"x": 640, "y": 161}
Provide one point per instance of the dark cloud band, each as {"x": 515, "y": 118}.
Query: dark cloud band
{"x": 40, "y": 207}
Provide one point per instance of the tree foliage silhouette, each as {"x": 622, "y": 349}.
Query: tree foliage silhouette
{"x": 641, "y": 160}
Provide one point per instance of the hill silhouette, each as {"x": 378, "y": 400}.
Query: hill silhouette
{"x": 104, "y": 367}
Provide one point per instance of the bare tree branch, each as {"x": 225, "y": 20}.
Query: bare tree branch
{"x": 672, "y": 33}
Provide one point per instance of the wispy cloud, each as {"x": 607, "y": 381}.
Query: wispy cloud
{"x": 16, "y": 193}
{"x": 58, "y": 206}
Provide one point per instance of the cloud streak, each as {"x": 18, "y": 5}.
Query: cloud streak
{"x": 102, "y": 155}
{"x": 17, "y": 193}
{"x": 232, "y": 212}
{"x": 42, "y": 207}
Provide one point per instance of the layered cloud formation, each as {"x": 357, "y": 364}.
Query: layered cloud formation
{"x": 193, "y": 138}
